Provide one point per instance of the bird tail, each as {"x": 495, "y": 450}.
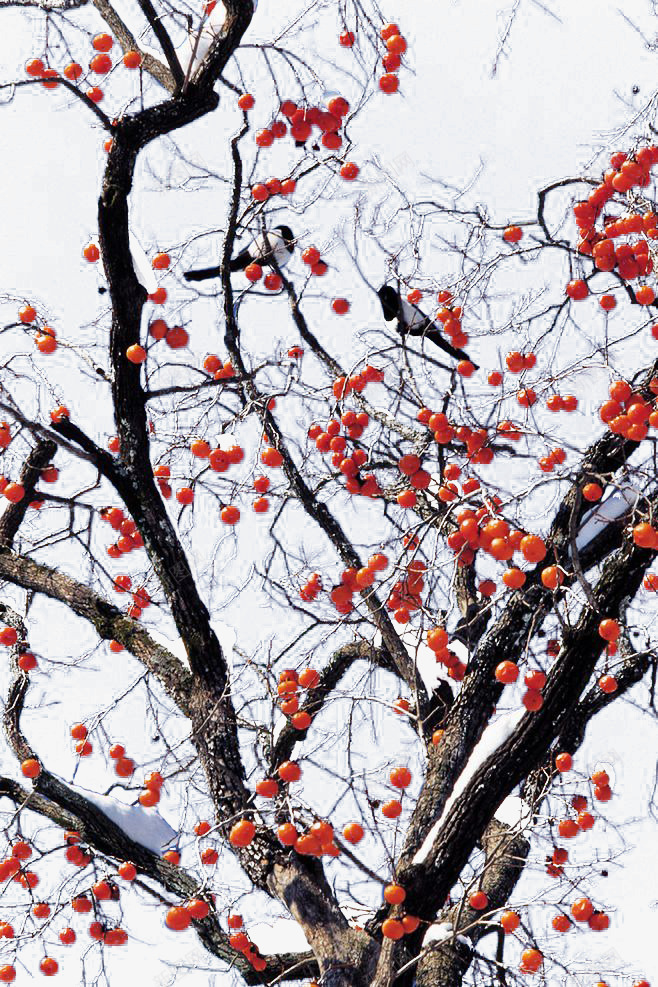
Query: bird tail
{"x": 240, "y": 261}
{"x": 443, "y": 344}
{"x": 203, "y": 275}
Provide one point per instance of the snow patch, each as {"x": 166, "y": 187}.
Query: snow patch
{"x": 513, "y": 812}
{"x": 283, "y": 935}
{"x": 438, "y": 932}
{"x": 429, "y": 670}
{"x": 144, "y": 826}
{"x": 609, "y": 509}
{"x": 200, "y": 39}
{"x": 496, "y": 733}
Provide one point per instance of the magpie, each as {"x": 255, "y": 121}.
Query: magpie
{"x": 273, "y": 248}
{"x": 410, "y": 321}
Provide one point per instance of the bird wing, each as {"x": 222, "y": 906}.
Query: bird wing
{"x": 420, "y": 324}
{"x": 416, "y": 322}
{"x": 270, "y": 248}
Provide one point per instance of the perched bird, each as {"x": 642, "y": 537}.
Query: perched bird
{"x": 273, "y": 247}
{"x": 410, "y": 321}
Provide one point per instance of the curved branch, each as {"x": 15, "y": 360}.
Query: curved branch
{"x": 109, "y": 622}
{"x": 13, "y": 515}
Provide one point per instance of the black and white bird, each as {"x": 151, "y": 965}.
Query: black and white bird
{"x": 408, "y": 320}
{"x": 274, "y": 247}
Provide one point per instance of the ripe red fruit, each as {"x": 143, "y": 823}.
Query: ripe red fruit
{"x": 309, "y": 678}
{"x": 535, "y": 679}
{"x": 609, "y": 629}
{"x": 340, "y": 306}
{"x": 102, "y": 42}
{"x": 124, "y": 767}
{"x": 391, "y": 61}
{"x": 267, "y": 787}
{"x": 73, "y": 71}
{"x": 392, "y": 928}
{"x": 396, "y": 44}
{"x": 260, "y": 193}
{"x": 478, "y": 900}
{"x": 132, "y": 59}
{"x": 177, "y": 337}
{"x": 8, "y": 636}
{"x": 242, "y": 833}
{"x": 577, "y": 289}
{"x": 31, "y": 768}
{"x": 100, "y": 64}
{"x": 507, "y": 672}
{"x": 353, "y": 832}
{"x": 510, "y": 921}
{"x": 289, "y": 771}
{"x": 230, "y": 515}
{"x": 49, "y": 966}
{"x": 246, "y": 102}
{"x": 388, "y": 31}
{"x": 311, "y": 256}
{"x": 273, "y": 282}
{"x": 512, "y": 234}
{"x": 349, "y": 171}
{"x": 561, "y": 923}
{"x": 598, "y": 921}
{"x": 592, "y": 492}
{"x": 26, "y": 661}
{"x": 582, "y": 909}
{"x": 127, "y": 871}
{"x": 389, "y": 83}
{"x": 239, "y": 941}
{"x": 608, "y": 684}
{"x": 531, "y": 960}
{"x": 564, "y": 762}
{"x": 178, "y": 919}
{"x": 533, "y": 548}
{"x": 394, "y": 894}
{"x": 271, "y": 457}
{"x": 197, "y": 908}
{"x": 392, "y": 809}
{"x": 533, "y": 700}
{"x": 645, "y": 295}
{"x": 347, "y": 39}
{"x": 102, "y": 891}
{"x": 136, "y": 353}
{"x": 49, "y": 79}
{"x": 14, "y": 492}
{"x": 161, "y": 262}
{"x": 35, "y": 68}
{"x": 287, "y": 834}
{"x": 400, "y": 777}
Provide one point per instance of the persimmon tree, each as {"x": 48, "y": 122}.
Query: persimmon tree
{"x": 438, "y": 573}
